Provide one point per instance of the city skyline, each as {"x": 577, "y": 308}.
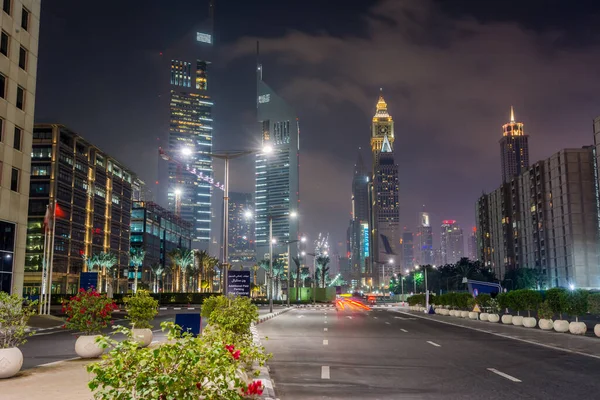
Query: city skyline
{"x": 441, "y": 163}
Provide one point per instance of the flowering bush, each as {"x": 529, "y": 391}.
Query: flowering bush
{"x": 14, "y": 314}
{"x": 184, "y": 368}
{"x": 234, "y": 314}
{"x": 141, "y": 309}
{"x": 88, "y": 311}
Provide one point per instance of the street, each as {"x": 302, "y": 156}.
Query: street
{"x": 383, "y": 354}
{"x": 58, "y": 344}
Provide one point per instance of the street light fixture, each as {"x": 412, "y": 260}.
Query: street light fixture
{"x": 289, "y": 276}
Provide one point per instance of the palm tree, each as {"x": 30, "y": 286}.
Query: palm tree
{"x": 278, "y": 272}
{"x": 297, "y": 277}
{"x": 157, "y": 270}
{"x": 202, "y": 259}
{"x": 323, "y": 262}
{"x": 182, "y": 259}
{"x": 213, "y": 263}
{"x": 94, "y": 260}
{"x": 136, "y": 255}
{"x": 108, "y": 261}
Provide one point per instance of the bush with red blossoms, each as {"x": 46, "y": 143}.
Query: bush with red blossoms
{"x": 88, "y": 312}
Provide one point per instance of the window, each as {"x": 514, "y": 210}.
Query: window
{"x": 18, "y": 138}
{"x": 1, "y": 129}
{"x": 40, "y": 170}
{"x": 14, "y": 180}
{"x": 23, "y": 58}
{"x": 6, "y": 6}
{"x": 41, "y": 152}
{"x": 25, "y": 18}
{"x": 20, "y": 97}
{"x": 2, "y": 86}
{"x": 4, "y": 43}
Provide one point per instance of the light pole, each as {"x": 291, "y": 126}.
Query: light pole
{"x": 426, "y": 288}
{"x": 313, "y": 279}
{"x": 289, "y": 280}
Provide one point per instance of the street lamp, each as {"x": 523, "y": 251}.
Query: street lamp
{"x": 313, "y": 278}
{"x": 293, "y": 214}
{"x": 272, "y": 241}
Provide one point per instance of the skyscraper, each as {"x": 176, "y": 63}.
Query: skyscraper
{"x": 20, "y": 23}
{"x": 277, "y": 174}
{"x": 241, "y": 229}
{"x": 424, "y": 240}
{"x": 452, "y": 242}
{"x": 514, "y": 149}
{"x": 472, "y": 245}
{"x": 191, "y": 131}
{"x": 408, "y": 250}
{"x": 385, "y": 204}
{"x": 359, "y": 224}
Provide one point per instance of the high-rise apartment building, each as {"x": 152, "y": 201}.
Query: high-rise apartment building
{"x": 452, "y": 242}
{"x": 424, "y": 240}
{"x": 191, "y": 131}
{"x": 385, "y": 203}
{"x": 546, "y": 219}
{"x": 408, "y": 250}
{"x": 514, "y": 149}
{"x": 241, "y": 229}
{"x": 277, "y": 173}
{"x": 93, "y": 192}
{"x": 472, "y": 245}
{"x": 20, "y": 26}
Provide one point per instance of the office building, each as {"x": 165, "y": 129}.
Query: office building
{"x": 359, "y": 224}
{"x": 384, "y": 182}
{"x": 408, "y": 250}
{"x": 93, "y": 192}
{"x": 20, "y": 25}
{"x": 472, "y": 245}
{"x": 241, "y": 229}
{"x": 452, "y": 242}
{"x": 277, "y": 174}
{"x": 424, "y": 241}
{"x": 190, "y": 142}
{"x": 157, "y": 231}
{"x": 514, "y": 149}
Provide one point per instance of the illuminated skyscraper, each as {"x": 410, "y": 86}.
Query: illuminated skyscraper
{"x": 241, "y": 228}
{"x": 277, "y": 181}
{"x": 453, "y": 246}
{"x": 514, "y": 149}
{"x": 359, "y": 229}
{"x": 191, "y": 134}
{"x": 385, "y": 204}
{"x": 424, "y": 240}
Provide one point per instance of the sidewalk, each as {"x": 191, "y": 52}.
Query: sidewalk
{"x": 583, "y": 345}
{"x": 66, "y": 381}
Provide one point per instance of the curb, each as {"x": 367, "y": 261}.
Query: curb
{"x": 273, "y": 315}
{"x": 263, "y": 376}
{"x": 315, "y": 306}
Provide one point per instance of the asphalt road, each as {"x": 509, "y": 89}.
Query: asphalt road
{"x": 58, "y": 344}
{"x": 381, "y": 354}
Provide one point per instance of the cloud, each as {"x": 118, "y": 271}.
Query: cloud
{"x": 449, "y": 82}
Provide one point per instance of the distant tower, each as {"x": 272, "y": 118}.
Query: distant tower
{"x": 514, "y": 149}
{"x": 452, "y": 242}
{"x": 424, "y": 240}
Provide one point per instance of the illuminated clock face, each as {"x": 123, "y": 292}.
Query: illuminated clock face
{"x": 383, "y": 129}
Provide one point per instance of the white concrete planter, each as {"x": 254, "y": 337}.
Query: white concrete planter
{"x": 597, "y": 330}
{"x": 560, "y": 325}
{"x": 11, "y": 360}
{"x": 86, "y": 346}
{"x": 546, "y": 324}
{"x": 483, "y": 316}
{"x": 578, "y": 328}
{"x": 529, "y": 322}
{"x": 473, "y": 315}
{"x": 517, "y": 320}
{"x": 451, "y": 313}
{"x": 464, "y": 314}
{"x": 507, "y": 319}
{"x": 142, "y": 336}
{"x": 445, "y": 312}
{"x": 493, "y": 318}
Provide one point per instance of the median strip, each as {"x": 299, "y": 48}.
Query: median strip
{"x": 502, "y": 374}
{"x": 325, "y": 372}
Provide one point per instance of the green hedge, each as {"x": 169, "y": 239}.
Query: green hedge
{"x": 162, "y": 298}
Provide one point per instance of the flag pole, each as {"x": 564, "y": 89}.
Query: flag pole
{"x": 44, "y": 264}
{"x": 51, "y": 263}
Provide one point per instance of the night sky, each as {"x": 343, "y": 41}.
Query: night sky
{"x": 449, "y": 69}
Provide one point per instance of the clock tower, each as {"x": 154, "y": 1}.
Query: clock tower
{"x": 382, "y": 130}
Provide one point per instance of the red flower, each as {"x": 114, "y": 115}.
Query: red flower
{"x": 254, "y": 388}
{"x": 236, "y": 355}
{"x": 198, "y": 386}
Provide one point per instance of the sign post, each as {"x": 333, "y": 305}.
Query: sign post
{"x": 88, "y": 280}
{"x": 238, "y": 283}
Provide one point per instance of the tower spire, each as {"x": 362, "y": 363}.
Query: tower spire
{"x": 512, "y": 114}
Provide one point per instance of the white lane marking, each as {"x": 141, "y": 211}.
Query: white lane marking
{"x": 163, "y": 308}
{"x": 177, "y": 308}
{"x": 325, "y": 372}
{"x": 58, "y": 362}
{"x": 375, "y": 317}
{"x": 507, "y": 336}
{"x": 300, "y": 316}
{"x": 387, "y": 322}
{"x": 50, "y": 333}
{"x": 325, "y": 329}
{"x": 403, "y": 330}
{"x": 434, "y": 344}
{"x": 325, "y": 321}
{"x": 349, "y": 317}
{"x": 325, "y": 342}
{"x": 191, "y": 308}
{"x": 502, "y": 374}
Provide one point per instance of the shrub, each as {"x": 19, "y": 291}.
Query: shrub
{"x": 556, "y": 298}
{"x": 576, "y": 303}
{"x": 515, "y": 301}
{"x": 471, "y": 302}
{"x": 530, "y": 299}
{"x": 483, "y": 300}
{"x": 442, "y": 300}
{"x": 141, "y": 309}
{"x": 416, "y": 299}
{"x": 594, "y": 303}
{"x": 545, "y": 311}
{"x": 14, "y": 314}
{"x": 88, "y": 311}
{"x": 462, "y": 300}
{"x": 183, "y": 368}
{"x": 452, "y": 300}
{"x": 234, "y": 314}
{"x": 503, "y": 301}
{"x": 494, "y": 306}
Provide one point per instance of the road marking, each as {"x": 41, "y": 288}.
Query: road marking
{"x": 403, "y": 330}
{"x": 349, "y": 317}
{"x": 434, "y": 344}
{"x": 157, "y": 330}
{"x": 387, "y": 322}
{"x": 163, "y": 308}
{"x": 50, "y": 333}
{"x": 300, "y": 316}
{"x": 177, "y": 308}
{"x": 58, "y": 362}
{"x": 375, "y": 317}
{"x": 507, "y": 336}
{"x": 325, "y": 321}
{"x": 325, "y": 372}
{"x": 325, "y": 342}
{"x": 191, "y": 308}
{"x": 502, "y": 374}
{"x": 325, "y": 329}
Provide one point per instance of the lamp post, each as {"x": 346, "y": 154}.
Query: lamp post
{"x": 314, "y": 290}
{"x": 426, "y": 288}
{"x": 289, "y": 280}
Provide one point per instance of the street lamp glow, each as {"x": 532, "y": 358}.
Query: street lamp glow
{"x": 326, "y": 253}
{"x": 571, "y": 286}
{"x": 303, "y": 253}
{"x": 247, "y": 214}
{"x": 186, "y": 151}
{"x": 274, "y": 241}
{"x": 267, "y": 149}
{"x": 303, "y": 239}
{"x": 391, "y": 261}
{"x": 406, "y": 271}
{"x": 178, "y": 192}
{"x": 416, "y": 267}
{"x": 293, "y": 214}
